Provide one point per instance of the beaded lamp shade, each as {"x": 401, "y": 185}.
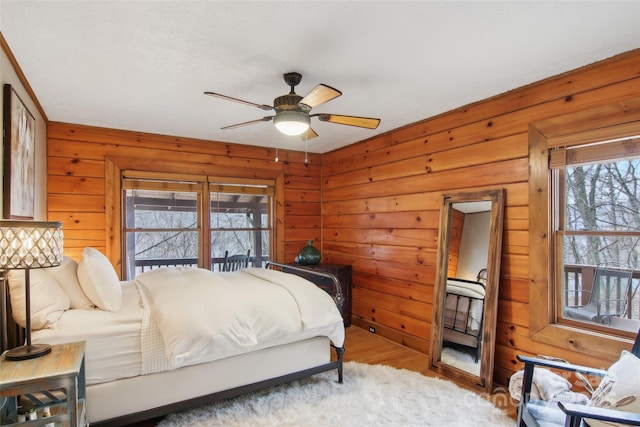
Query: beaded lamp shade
{"x": 25, "y": 245}
{"x": 30, "y": 244}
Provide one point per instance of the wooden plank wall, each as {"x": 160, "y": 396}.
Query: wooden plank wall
{"x": 381, "y": 200}
{"x": 76, "y": 181}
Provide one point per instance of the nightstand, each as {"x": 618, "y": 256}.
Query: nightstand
{"x": 340, "y": 271}
{"x": 56, "y": 381}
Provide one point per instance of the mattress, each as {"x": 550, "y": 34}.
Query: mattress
{"x": 113, "y": 339}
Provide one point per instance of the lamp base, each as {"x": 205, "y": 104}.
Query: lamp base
{"x": 27, "y": 352}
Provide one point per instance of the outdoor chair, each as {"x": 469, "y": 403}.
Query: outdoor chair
{"x": 235, "y": 262}
{"x": 609, "y": 296}
{"x": 545, "y": 413}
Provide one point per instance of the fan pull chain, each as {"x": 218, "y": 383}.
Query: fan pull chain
{"x": 306, "y": 159}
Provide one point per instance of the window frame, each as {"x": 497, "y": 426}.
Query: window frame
{"x": 242, "y": 186}
{"x": 164, "y": 182}
{"x": 606, "y": 151}
{"x": 603, "y": 123}
{"x": 114, "y": 165}
{"x": 204, "y": 187}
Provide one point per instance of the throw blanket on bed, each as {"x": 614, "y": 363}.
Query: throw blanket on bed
{"x": 194, "y": 315}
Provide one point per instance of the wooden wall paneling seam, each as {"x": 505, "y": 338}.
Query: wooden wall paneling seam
{"x": 75, "y": 185}
{"x": 410, "y": 290}
{"x": 436, "y": 147}
{"x": 516, "y": 197}
{"x": 486, "y": 152}
{"x": 410, "y": 341}
{"x": 142, "y": 157}
{"x": 113, "y": 137}
{"x": 399, "y": 237}
{"x": 397, "y": 203}
{"x": 402, "y": 306}
{"x": 307, "y": 208}
{"x": 392, "y": 319}
{"x": 64, "y": 166}
{"x": 418, "y": 273}
{"x": 590, "y": 120}
{"x": 415, "y": 220}
{"x": 483, "y": 175}
{"x": 306, "y": 195}
{"x": 406, "y": 254}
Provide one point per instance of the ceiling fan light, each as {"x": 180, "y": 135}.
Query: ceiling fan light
{"x": 292, "y": 122}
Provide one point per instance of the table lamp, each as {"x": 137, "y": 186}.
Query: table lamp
{"x": 25, "y": 245}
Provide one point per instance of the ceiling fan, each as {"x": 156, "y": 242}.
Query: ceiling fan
{"x": 292, "y": 111}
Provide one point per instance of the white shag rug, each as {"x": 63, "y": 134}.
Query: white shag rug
{"x": 460, "y": 360}
{"x": 371, "y": 395}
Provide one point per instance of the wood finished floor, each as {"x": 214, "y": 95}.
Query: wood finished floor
{"x": 365, "y": 347}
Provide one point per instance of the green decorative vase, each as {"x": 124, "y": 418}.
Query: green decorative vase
{"x": 309, "y": 255}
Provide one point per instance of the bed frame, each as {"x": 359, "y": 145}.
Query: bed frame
{"x": 156, "y": 395}
{"x": 464, "y": 336}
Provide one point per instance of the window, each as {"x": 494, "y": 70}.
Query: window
{"x": 240, "y": 221}
{"x": 605, "y": 123}
{"x": 596, "y": 206}
{"x": 172, "y": 220}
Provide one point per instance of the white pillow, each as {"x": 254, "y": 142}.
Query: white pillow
{"x": 66, "y": 274}
{"x": 99, "y": 280}
{"x": 48, "y": 300}
{"x": 619, "y": 389}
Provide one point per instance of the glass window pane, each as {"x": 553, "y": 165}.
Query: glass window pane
{"x": 603, "y": 196}
{"x": 239, "y": 223}
{"x": 160, "y": 209}
{"x": 599, "y": 249}
{"x": 601, "y": 245}
{"x": 238, "y": 210}
{"x": 148, "y": 250}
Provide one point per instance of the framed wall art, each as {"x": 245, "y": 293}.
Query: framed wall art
{"x": 19, "y": 157}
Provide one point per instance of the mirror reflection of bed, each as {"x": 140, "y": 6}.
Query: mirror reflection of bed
{"x": 469, "y": 251}
{"x": 465, "y": 291}
{"x": 462, "y": 325}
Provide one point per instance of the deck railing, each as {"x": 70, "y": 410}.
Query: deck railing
{"x": 578, "y": 280}
{"x": 146, "y": 264}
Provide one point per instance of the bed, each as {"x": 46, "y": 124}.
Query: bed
{"x": 463, "y": 313}
{"x": 172, "y": 338}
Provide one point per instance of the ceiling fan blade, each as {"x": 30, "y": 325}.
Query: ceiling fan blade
{"x": 229, "y": 98}
{"x": 264, "y": 119}
{"x": 309, "y": 134}
{"x": 319, "y": 95}
{"x": 362, "y": 122}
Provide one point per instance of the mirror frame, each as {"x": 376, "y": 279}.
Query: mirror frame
{"x": 485, "y": 380}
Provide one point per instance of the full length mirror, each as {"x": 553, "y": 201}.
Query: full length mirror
{"x": 466, "y": 286}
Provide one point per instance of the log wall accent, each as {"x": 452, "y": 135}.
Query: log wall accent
{"x": 381, "y": 200}
{"x": 78, "y": 182}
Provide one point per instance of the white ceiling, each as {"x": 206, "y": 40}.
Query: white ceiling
{"x": 144, "y": 65}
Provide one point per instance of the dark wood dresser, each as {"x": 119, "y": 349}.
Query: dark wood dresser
{"x": 342, "y": 273}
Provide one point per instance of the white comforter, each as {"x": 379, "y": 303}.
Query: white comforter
{"x": 198, "y": 316}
